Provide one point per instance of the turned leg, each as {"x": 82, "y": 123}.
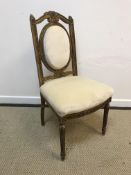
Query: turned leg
{"x": 62, "y": 140}
{"x": 42, "y": 111}
{"x": 105, "y": 118}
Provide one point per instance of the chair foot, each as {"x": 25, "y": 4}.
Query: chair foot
{"x": 103, "y": 131}
{"x": 62, "y": 157}
{"x": 62, "y": 140}
{"x": 105, "y": 118}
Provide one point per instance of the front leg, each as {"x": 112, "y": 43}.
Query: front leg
{"x": 62, "y": 139}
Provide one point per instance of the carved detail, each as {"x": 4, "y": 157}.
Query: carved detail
{"x": 52, "y": 16}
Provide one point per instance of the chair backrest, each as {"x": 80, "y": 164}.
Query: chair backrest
{"x": 55, "y": 45}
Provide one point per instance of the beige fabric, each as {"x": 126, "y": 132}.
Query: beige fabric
{"x": 56, "y": 47}
{"x": 74, "y": 94}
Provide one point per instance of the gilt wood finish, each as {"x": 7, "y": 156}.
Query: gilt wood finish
{"x": 54, "y": 18}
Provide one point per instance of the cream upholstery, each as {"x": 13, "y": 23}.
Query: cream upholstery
{"x": 56, "y": 47}
{"x": 74, "y": 94}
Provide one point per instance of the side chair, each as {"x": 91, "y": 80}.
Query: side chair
{"x": 70, "y": 96}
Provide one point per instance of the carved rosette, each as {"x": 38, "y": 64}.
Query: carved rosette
{"x": 52, "y": 16}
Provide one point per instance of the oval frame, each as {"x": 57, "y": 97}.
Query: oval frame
{"x": 41, "y": 46}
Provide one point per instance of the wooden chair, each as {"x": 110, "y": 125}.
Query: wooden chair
{"x": 69, "y": 95}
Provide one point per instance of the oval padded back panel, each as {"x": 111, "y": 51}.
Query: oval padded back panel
{"x": 56, "y": 47}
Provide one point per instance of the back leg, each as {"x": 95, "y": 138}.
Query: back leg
{"x": 105, "y": 118}
{"x": 42, "y": 111}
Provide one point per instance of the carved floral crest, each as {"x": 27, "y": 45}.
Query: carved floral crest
{"x": 52, "y": 16}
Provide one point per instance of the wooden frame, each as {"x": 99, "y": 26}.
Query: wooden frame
{"x": 53, "y": 18}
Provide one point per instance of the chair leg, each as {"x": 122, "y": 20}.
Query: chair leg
{"x": 62, "y": 140}
{"x": 105, "y": 118}
{"x": 42, "y": 111}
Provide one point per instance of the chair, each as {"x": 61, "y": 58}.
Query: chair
{"x": 67, "y": 94}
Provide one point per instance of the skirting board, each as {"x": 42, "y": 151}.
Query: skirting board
{"x": 35, "y": 100}
{"x": 121, "y": 103}
{"x": 19, "y": 100}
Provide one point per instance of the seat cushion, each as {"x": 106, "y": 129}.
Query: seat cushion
{"x": 74, "y": 94}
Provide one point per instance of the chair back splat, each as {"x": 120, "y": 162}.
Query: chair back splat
{"x": 55, "y": 45}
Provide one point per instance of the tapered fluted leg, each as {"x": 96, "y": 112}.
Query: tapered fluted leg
{"x": 42, "y": 111}
{"x": 105, "y": 118}
{"x": 62, "y": 140}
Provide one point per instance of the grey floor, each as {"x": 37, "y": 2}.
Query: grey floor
{"x": 26, "y": 148}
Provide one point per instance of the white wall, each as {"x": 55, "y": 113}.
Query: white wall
{"x": 103, "y": 36}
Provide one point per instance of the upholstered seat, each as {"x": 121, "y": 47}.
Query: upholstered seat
{"x": 74, "y": 94}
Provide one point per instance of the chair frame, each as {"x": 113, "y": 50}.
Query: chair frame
{"x": 53, "y": 18}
